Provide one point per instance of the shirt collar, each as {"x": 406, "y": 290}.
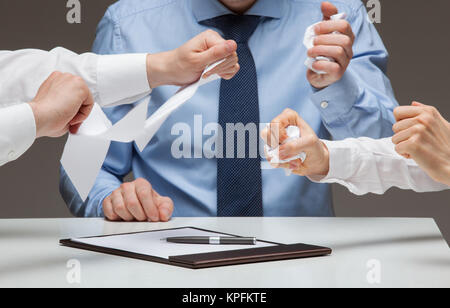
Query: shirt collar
{"x": 207, "y": 9}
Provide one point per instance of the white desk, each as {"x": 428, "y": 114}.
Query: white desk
{"x": 411, "y": 252}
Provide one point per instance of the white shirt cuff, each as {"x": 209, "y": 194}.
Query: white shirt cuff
{"x": 18, "y": 130}
{"x": 122, "y": 79}
{"x": 340, "y": 162}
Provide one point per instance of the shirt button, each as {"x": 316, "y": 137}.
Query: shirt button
{"x": 12, "y": 156}
{"x": 324, "y": 105}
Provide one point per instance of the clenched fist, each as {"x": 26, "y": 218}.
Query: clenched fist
{"x": 317, "y": 156}
{"x": 422, "y": 134}
{"x": 334, "y": 40}
{"x": 186, "y": 64}
{"x": 62, "y": 103}
{"x": 137, "y": 200}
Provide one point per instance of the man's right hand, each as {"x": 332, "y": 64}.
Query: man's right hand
{"x": 185, "y": 65}
{"x": 62, "y": 103}
{"x": 137, "y": 200}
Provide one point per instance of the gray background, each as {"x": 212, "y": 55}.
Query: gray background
{"x": 415, "y": 33}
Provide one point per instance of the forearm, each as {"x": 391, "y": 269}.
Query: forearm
{"x": 362, "y": 102}
{"x": 113, "y": 80}
{"x": 372, "y": 166}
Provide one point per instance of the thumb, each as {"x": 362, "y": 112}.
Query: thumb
{"x": 165, "y": 208}
{"x": 328, "y": 10}
{"x": 305, "y": 129}
{"x": 417, "y": 104}
{"x": 218, "y": 52}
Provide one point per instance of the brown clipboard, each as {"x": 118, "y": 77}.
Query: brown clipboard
{"x": 214, "y": 259}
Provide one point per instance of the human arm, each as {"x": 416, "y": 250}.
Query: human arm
{"x": 362, "y": 165}
{"x": 361, "y": 102}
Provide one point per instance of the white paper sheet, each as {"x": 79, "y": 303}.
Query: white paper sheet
{"x": 85, "y": 152}
{"x": 154, "y": 123}
{"x": 153, "y": 243}
{"x": 293, "y": 133}
{"x": 308, "y": 41}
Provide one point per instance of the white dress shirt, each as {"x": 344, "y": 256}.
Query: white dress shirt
{"x": 366, "y": 165}
{"x": 112, "y": 79}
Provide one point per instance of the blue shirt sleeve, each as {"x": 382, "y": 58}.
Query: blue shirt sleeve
{"x": 118, "y": 162}
{"x": 361, "y": 104}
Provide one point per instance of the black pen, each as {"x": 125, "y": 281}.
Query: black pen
{"x": 212, "y": 240}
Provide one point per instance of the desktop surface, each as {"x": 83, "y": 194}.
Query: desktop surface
{"x": 367, "y": 252}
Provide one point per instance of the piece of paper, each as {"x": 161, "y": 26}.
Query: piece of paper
{"x": 85, "y": 152}
{"x": 154, "y": 243}
{"x": 308, "y": 41}
{"x": 153, "y": 124}
{"x": 293, "y": 133}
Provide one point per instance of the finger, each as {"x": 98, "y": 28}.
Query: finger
{"x": 336, "y": 40}
{"x": 417, "y": 104}
{"x": 404, "y": 148}
{"x": 165, "y": 207}
{"x": 84, "y": 111}
{"x": 328, "y": 10}
{"x": 73, "y": 129}
{"x": 119, "y": 207}
{"x": 218, "y": 52}
{"x": 337, "y": 53}
{"x": 108, "y": 210}
{"x": 404, "y": 124}
{"x": 228, "y": 67}
{"x": 265, "y": 136}
{"x": 132, "y": 202}
{"x": 331, "y": 68}
{"x": 331, "y": 26}
{"x": 291, "y": 149}
{"x": 403, "y": 135}
{"x": 144, "y": 193}
{"x": 210, "y": 39}
{"x": 405, "y": 112}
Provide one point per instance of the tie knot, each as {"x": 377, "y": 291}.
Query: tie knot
{"x": 234, "y": 27}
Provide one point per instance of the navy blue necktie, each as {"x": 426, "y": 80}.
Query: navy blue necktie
{"x": 239, "y": 184}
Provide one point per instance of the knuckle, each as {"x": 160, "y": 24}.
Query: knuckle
{"x": 341, "y": 52}
{"x": 426, "y": 119}
{"x": 210, "y": 32}
{"x": 348, "y": 41}
{"x": 119, "y": 207}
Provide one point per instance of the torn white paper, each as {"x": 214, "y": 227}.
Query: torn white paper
{"x": 155, "y": 121}
{"x": 85, "y": 152}
{"x": 293, "y": 133}
{"x": 308, "y": 41}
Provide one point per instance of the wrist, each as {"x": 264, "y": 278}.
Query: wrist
{"x": 159, "y": 69}
{"x": 325, "y": 170}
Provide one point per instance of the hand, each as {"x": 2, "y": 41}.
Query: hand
{"x": 421, "y": 133}
{"x": 137, "y": 201}
{"x": 337, "y": 46}
{"x": 62, "y": 103}
{"x": 186, "y": 64}
{"x": 317, "y": 155}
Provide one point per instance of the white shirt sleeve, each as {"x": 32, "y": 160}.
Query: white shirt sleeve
{"x": 373, "y": 166}
{"x": 112, "y": 79}
{"x": 17, "y": 131}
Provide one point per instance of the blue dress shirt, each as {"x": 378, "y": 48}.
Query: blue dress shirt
{"x": 360, "y": 104}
